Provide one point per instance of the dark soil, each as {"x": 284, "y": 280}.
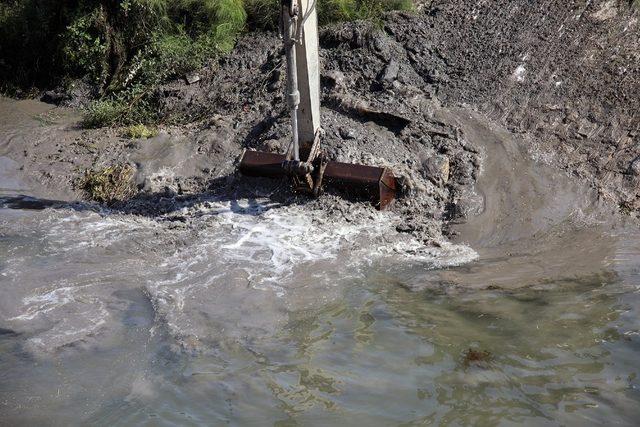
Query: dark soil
{"x": 564, "y": 74}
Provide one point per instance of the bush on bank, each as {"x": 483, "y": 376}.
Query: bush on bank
{"x": 264, "y": 13}
{"x": 126, "y": 48}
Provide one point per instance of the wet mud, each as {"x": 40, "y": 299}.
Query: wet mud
{"x": 566, "y": 73}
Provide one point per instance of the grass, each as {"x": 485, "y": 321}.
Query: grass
{"x": 264, "y": 13}
{"x": 110, "y": 185}
{"x": 104, "y": 112}
{"x": 127, "y": 48}
{"x": 140, "y": 131}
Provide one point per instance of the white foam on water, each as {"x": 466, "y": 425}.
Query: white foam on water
{"x": 237, "y": 244}
{"x": 74, "y": 312}
{"x": 271, "y": 244}
{"x": 41, "y": 303}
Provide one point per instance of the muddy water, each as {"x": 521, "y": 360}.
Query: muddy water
{"x": 250, "y": 313}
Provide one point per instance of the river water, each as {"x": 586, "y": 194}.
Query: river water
{"x": 251, "y": 313}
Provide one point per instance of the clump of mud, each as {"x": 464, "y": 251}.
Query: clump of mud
{"x": 109, "y": 185}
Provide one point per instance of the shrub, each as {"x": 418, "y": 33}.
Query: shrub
{"x": 264, "y": 13}
{"x": 103, "y": 113}
{"x": 140, "y": 132}
{"x": 110, "y": 185}
{"x": 29, "y": 48}
{"x": 128, "y": 47}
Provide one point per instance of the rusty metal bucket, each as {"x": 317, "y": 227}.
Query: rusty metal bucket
{"x": 378, "y": 185}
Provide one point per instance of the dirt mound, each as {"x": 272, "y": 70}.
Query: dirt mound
{"x": 377, "y": 109}
{"x": 568, "y": 73}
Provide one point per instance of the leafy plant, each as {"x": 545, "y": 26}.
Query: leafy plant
{"x": 264, "y": 13}
{"x": 140, "y": 132}
{"x": 126, "y": 48}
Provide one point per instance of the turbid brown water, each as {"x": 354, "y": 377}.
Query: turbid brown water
{"x": 255, "y": 313}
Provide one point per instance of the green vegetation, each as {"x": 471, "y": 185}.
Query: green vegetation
{"x": 264, "y": 13}
{"x": 140, "y": 132}
{"x": 110, "y": 185}
{"x": 126, "y": 48}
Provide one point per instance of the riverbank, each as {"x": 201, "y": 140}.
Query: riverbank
{"x": 577, "y": 109}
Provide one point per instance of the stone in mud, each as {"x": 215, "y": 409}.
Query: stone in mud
{"x": 347, "y": 133}
{"x": 390, "y": 72}
{"x": 437, "y": 169}
{"x": 634, "y": 167}
{"x": 406, "y": 227}
{"x": 192, "y": 78}
{"x": 334, "y": 78}
{"x": 468, "y": 204}
{"x": 53, "y": 97}
{"x": 272, "y": 146}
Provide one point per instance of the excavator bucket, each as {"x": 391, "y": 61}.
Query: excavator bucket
{"x": 377, "y": 185}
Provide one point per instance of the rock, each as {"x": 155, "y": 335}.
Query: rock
{"x": 437, "y": 169}
{"x": 586, "y": 128}
{"x": 334, "y": 78}
{"x": 406, "y": 186}
{"x": 347, "y": 133}
{"x": 272, "y": 146}
{"x": 275, "y": 81}
{"x": 390, "y": 73}
{"x": 52, "y": 97}
{"x": 192, "y": 78}
{"x": 634, "y": 167}
{"x": 406, "y": 227}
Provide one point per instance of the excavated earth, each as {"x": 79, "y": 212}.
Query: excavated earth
{"x": 377, "y": 110}
{"x": 562, "y": 74}
{"x": 565, "y": 72}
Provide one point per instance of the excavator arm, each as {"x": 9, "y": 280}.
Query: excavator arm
{"x": 303, "y": 162}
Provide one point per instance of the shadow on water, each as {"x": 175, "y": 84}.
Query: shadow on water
{"x": 153, "y": 205}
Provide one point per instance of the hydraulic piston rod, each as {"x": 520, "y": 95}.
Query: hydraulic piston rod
{"x": 299, "y": 26}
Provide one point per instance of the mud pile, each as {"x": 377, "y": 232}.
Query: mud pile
{"x": 376, "y": 110}
{"x": 565, "y": 72}
{"x": 565, "y": 75}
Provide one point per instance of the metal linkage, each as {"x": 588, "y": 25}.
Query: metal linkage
{"x": 292, "y": 27}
